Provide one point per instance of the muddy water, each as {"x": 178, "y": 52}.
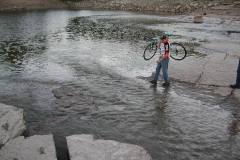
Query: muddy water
{"x": 77, "y": 72}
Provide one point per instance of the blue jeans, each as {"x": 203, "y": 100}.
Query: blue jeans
{"x": 164, "y": 65}
{"x": 238, "y": 74}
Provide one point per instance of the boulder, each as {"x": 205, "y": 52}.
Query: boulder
{"x": 198, "y": 19}
{"x": 32, "y": 148}
{"x": 11, "y": 123}
{"x": 85, "y": 147}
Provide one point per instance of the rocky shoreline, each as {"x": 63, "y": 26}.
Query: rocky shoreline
{"x": 161, "y": 7}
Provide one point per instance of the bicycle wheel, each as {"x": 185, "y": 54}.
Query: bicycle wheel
{"x": 150, "y": 51}
{"x": 177, "y": 51}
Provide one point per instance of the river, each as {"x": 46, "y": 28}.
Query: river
{"x": 82, "y": 72}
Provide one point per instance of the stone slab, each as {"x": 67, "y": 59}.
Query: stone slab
{"x": 220, "y": 70}
{"x": 187, "y": 70}
{"x": 11, "y": 123}
{"x": 32, "y": 148}
{"x": 217, "y": 70}
{"x": 85, "y": 147}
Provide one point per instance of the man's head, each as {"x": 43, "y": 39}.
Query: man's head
{"x": 164, "y": 38}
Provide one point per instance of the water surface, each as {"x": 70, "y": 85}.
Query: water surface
{"x": 76, "y": 72}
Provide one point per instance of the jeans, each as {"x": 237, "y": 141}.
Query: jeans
{"x": 238, "y": 74}
{"x": 164, "y": 65}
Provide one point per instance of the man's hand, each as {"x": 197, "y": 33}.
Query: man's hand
{"x": 160, "y": 58}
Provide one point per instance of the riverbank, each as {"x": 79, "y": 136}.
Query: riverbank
{"x": 161, "y": 7}
{"x": 25, "y": 5}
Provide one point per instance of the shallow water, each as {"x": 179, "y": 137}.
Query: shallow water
{"x": 77, "y": 72}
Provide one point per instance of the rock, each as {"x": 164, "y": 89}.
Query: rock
{"x": 216, "y": 67}
{"x": 198, "y": 19}
{"x": 206, "y": 71}
{"x": 32, "y": 148}
{"x": 188, "y": 70}
{"x": 223, "y": 91}
{"x": 188, "y": 8}
{"x": 178, "y": 7}
{"x": 236, "y": 94}
{"x": 11, "y": 123}
{"x": 85, "y": 147}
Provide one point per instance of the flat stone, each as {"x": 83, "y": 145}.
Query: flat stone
{"x": 215, "y": 70}
{"x": 31, "y": 148}
{"x": 220, "y": 70}
{"x": 187, "y": 70}
{"x": 11, "y": 123}
{"x": 85, "y": 147}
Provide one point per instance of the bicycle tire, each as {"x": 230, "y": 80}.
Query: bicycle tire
{"x": 177, "y": 51}
{"x": 152, "y": 49}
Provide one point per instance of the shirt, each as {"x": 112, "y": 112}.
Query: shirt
{"x": 164, "y": 50}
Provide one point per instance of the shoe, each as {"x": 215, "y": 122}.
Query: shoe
{"x": 166, "y": 84}
{"x": 153, "y": 82}
{"x": 234, "y": 86}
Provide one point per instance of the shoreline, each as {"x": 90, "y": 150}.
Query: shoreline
{"x": 214, "y": 9}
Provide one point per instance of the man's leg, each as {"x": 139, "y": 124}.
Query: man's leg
{"x": 157, "y": 71}
{"x": 158, "y": 68}
{"x": 165, "y": 69}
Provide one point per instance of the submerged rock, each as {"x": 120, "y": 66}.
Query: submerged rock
{"x": 11, "y": 123}
{"x": 32, "y": 148}
{"x": 85, "y": 147}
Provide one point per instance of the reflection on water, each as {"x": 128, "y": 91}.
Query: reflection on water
{"x": 76, "y": 73}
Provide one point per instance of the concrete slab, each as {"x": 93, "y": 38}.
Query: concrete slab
{"x": 11, "y": 123}
{"x": 215, "y": 69}
{"x": 188, "y": 70}
{"x": 220, "y": 70}
{"x": 85, "y": 147}
{"x": 32, "y": 148}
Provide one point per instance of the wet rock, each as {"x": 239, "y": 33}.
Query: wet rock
{"x": 198, "y": 19}
{"x": 236, "y": 94}
{"x": 11, "y": 123}
{"x": 82, "y": 147}
{"x": 206, "y": 71}
{"x": 189, "y": 70}
{"x": 32, "y": 148}
{"x": 219, "y": 70}
{"x": 223, "y": 91}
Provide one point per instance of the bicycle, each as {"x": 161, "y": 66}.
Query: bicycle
{"x": 177, "y": 50}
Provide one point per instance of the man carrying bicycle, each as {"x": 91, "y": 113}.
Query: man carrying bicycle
{"x": 162, "y": 62}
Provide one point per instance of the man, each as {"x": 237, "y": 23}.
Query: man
{"x": 237, "y": 85}
{"x": 163, "y": 61}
